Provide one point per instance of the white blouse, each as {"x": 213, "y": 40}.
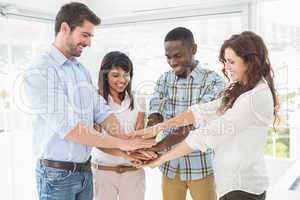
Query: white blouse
{"x": 127, "y": 119}
{"x": 238, "y": 138}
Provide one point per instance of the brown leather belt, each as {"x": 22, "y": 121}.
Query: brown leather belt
{"x": 70, "y": 166}
{"x": 119, "y": 168}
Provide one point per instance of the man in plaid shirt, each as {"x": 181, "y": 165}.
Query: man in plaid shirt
{"x": 176, "y": 90}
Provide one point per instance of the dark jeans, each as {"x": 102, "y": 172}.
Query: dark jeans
{"x": 241, "y": 195}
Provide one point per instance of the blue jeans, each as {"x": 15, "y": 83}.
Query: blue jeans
{"x": 59, "y": 184}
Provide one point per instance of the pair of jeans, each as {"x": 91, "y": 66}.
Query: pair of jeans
{"x": 59, "y": 184}
{"x": 241, "y": 195}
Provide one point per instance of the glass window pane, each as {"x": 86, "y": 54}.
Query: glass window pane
{"x": 3, "y": 57}
{"x": 281, "y": 32}
{"x": 145, "y": 43}
{"x": 21, "y": 55}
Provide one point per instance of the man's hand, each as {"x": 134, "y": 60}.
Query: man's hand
{"x": 143, "y": 154}
{"x": 141, "y": 157}
{"x": 153, "y": 163}
{"x": 154, "y": 119}
{"x": 160, "y": 146}
{"x": 173, "y": 138}
{"x": 150, "y": 132}
{"x": 97, "y": 127}
{"x": 135, "y": 143}
{"x": 136, "y": 162}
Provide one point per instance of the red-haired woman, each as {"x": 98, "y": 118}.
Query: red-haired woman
{"x": 236, "y": 124}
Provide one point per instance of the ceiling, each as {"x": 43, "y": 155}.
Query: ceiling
{"x": 108, "y": 8}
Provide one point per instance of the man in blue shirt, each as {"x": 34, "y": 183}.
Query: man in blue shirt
{"x": 65, "y": 105}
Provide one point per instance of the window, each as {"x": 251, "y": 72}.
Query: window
{"x": 23, "y": 40}
{"x": 144, "y": 43}
{"x": 281, "y": 33}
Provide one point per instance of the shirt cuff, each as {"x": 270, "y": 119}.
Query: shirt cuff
{"x": 198, "y": 116}
{"x": 196, "y": 141}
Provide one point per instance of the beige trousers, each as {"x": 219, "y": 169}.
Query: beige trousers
{"x": 175, "y": 189}
{"x": 109, "y": 185}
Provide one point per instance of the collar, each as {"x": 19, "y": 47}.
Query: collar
{"x": 125, "y": 102}
{"x": 59, "y": 57}
{"x": 194, "y": 73}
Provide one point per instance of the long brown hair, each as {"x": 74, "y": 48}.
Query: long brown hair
{"x": 251, "y": 48}
{"x": 110, "y": 60}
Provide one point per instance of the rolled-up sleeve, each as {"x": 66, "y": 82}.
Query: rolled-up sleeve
{"x": 233, "y": 122}
{"x": 196, "y": 141}
{"x": 206, "y": 112}
{"x": 46, "y": 98}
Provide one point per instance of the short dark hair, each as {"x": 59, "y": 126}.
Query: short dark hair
{"x": 182, "y": 34}
{"x": 110, "y": 60}
{"x": 74, "y": 14}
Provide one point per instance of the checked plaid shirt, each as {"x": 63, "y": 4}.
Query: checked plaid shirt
{"x": 174, "y": 95}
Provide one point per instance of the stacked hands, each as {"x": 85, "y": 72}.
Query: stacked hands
{"x": 147, "y": 156}
{"x": 142, "y": 147}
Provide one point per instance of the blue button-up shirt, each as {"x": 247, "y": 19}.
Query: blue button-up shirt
{"x": 60, "y": 94}
{"x": 174, "y": 95}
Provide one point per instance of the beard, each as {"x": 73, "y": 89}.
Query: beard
{"x": 72, "y": 48}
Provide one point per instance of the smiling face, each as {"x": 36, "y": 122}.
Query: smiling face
{"x": 118, "y": 80}
{"x": 79, "y": 38}
{"x": 179, "y": 56}
{"x": 235, "y": 66}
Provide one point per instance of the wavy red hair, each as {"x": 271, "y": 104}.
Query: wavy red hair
{"x": 251, "y": 48}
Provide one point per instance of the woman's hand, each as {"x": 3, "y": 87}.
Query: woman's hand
{"x": 147, "y": 132}
{"x": 136, "y": 162}
{"x": 180, "y": 150}
{"x": 154, "y": 163}
{"x": 135, "y": 143}
{"x": 140, "y": 157}
{"x": 144, "y": 154}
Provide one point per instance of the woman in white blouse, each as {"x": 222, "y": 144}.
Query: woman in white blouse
{"x": 113, "y": 171}
{"x": 236, "y": 124}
